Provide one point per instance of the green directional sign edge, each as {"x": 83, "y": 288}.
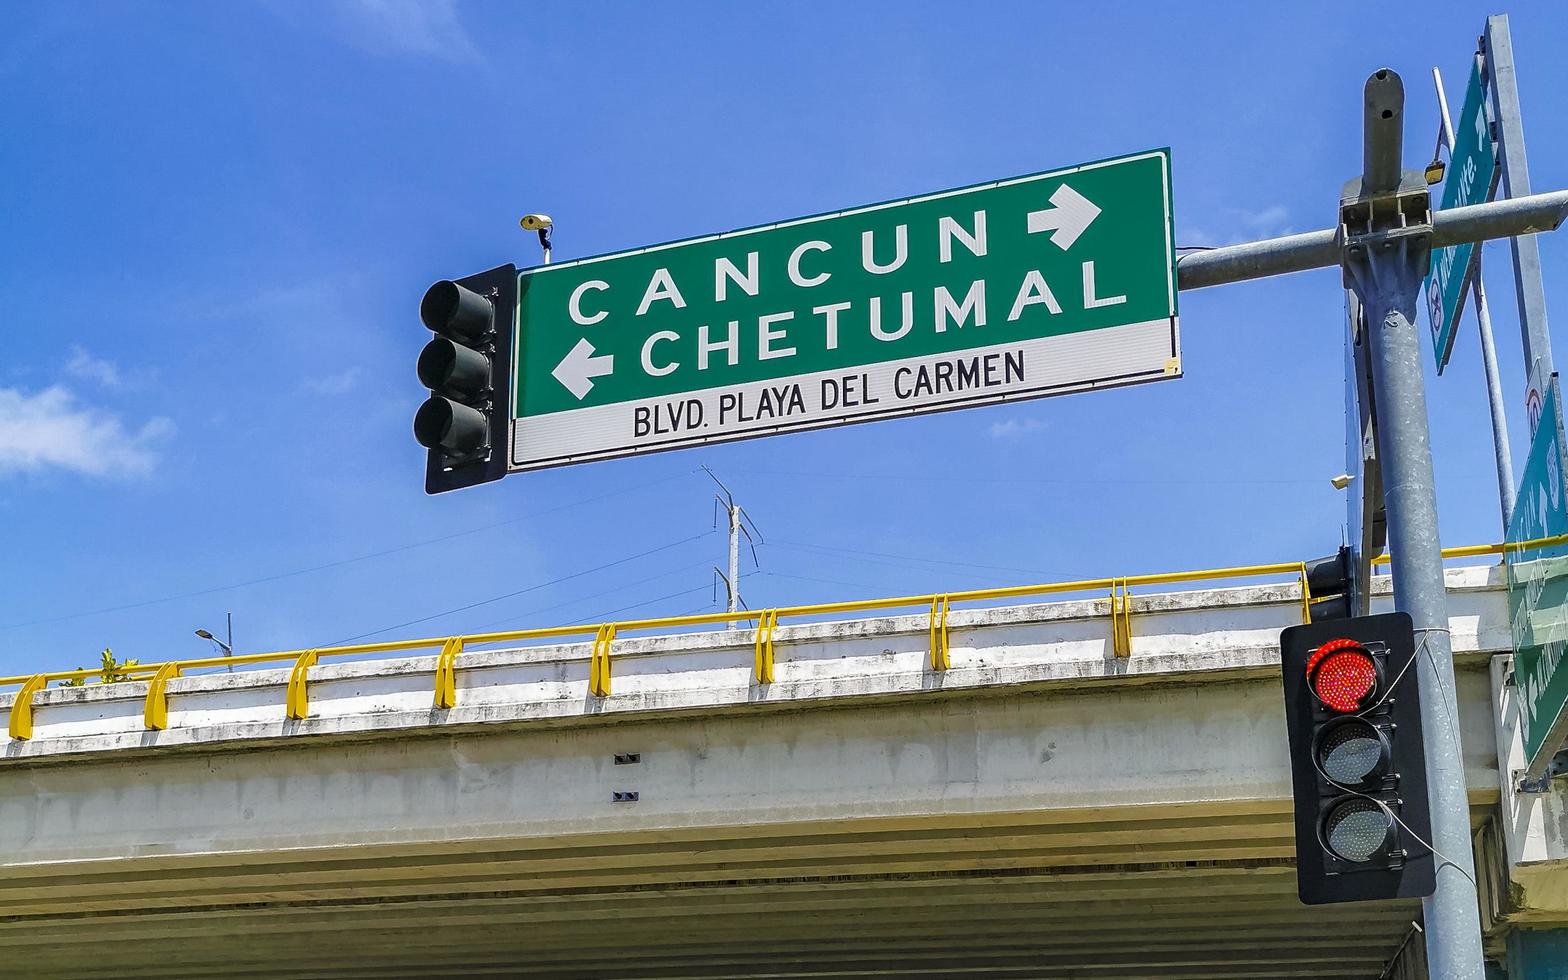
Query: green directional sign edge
{"x": 1472, "y": 173}
{"x": 1538, "y": 589}
{"x": 1044, "y": 284}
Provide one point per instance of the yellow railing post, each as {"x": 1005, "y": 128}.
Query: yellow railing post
{"x": 939, "y": 656}
{"x": 1306, "y": 596}
{"x": 155, "y": 713}
{"x": 21, "y": 723}
{"x": 767, "y": 622}
{"x": 297, "y": 698}
{"x": 446, "y": 672}
{"x": 599, "y": 661}
{"x": 1121, "y": 619}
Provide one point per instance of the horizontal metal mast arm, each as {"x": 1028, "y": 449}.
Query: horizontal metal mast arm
{"x": 1257, "y": 260}
{"x": 1320, "y": 249}
{"x": 1500, "y": 219}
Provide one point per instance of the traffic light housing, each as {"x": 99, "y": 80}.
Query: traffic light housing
{"x": 1331, "y": 582}
{"x": 463, "y": 424}
{"x": 1353, "y": 713}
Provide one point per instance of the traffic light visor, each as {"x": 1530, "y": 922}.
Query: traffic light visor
{"x": 443, "y": 424}
{"x": 453, "y": 311}
{"x": 1342, "y": 675}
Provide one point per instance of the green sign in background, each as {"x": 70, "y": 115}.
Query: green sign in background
{"x": 1131, "y": 252}
{"x": 1472, "y": 167}
{"x": 1538, "y": 587}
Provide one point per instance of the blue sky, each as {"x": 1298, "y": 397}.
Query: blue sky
{"x": 219, "y": 218}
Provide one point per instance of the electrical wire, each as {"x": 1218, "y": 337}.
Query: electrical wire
{"x": 823, "y": 581}
{"x": 884, "y": 476}
{"x": 518, "y": 617}
{"x": 524, "y": 591}
{"x": 339, "y": 563}
{"x": 834, "y": 550}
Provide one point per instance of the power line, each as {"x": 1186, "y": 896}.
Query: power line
{"x": 882, "y": 476}
{"x": 823, "y": 581}
{"x": 532, "y": 588}
{"x": 518, "y": 617}
{"x": 851, "y": 553}
{"x": 341, "y": 562}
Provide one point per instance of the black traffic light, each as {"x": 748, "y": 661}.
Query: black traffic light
{"x": 1353, "y": 711}
{"x": 1331, "y": 581}
{"x": 464, "y": 421}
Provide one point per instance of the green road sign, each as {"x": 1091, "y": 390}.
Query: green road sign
{"x": 1039, "y": 285}
{"x": 1472, "y": 171}
{"x": 1538, "y": 589}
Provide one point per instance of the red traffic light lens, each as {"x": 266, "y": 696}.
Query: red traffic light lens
{"x": 1342, "y": 674}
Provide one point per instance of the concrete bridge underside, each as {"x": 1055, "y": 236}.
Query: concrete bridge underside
{"x": 1086, "y": 818}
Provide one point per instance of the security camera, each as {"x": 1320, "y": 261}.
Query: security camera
{"x": 536, "y": 222}
{"x": 1342, "y": 481}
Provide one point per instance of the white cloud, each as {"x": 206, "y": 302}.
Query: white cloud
{"x": 84, "y": 365}
{"x": 1016, "y": 428}
{"x": 425, "y": 28}
{"x": 333, "y": 384}
{"x": 1241, "y": 225}
{"x": 52, "y": 430}
{"x": 104, "y": 372}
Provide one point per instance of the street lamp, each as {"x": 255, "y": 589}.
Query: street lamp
{"x": 226, "y": 647}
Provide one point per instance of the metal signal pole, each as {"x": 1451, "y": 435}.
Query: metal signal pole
{"x": 1386, "y": 234}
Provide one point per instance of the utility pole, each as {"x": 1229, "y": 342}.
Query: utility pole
{"x": 1483, "y": 316}
{"x": 1386, "y": 236}
{"x": 734, "y": 576}
{"x": 738, "y": 525}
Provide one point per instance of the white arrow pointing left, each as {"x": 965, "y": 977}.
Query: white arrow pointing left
{"x": 1070, "y": 218}
{"x": 579, "y": 367}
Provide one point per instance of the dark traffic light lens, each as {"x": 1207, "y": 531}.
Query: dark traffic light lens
{"x": 1352, "y": 752}
{"x": 454, "y": 429}
{"x": 1357, "y": 829}
{"x": 455, "y": 312}
{"x": 449, "y": 368}
{"x": 1342, "y": 675}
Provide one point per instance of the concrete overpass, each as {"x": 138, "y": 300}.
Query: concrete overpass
{"x": 1043, "y": 807}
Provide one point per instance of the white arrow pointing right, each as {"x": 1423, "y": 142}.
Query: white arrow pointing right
{"x": 579, "y": 367}
{"x": 1070, "y": 218}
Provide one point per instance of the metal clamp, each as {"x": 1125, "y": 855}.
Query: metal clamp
{"x": 599, "y": 662}
{"x": 767, "y": 622}
{"x": 155, "y": 713}
{"x": 1121, "y": 618}
{"x": 297, "y": 698}
{"x": 939, "y": 656}
{"x": 446, "y": 672}
{"x": 21, "y": 723}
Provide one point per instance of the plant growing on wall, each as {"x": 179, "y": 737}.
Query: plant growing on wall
{"x": 110, "y": 671}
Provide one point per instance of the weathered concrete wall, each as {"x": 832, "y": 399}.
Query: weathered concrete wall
{"x": 1206, "y": 635}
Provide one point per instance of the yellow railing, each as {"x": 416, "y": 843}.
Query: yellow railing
{"x": 603, "y": 635}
